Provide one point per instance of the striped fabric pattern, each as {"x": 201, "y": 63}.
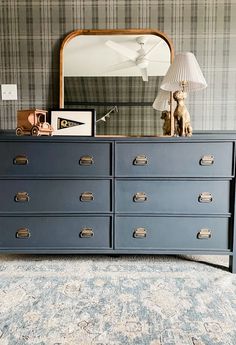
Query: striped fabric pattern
{"x": 31, "y": 32}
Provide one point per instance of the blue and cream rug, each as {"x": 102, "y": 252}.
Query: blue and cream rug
{"x": 99, "y": 300}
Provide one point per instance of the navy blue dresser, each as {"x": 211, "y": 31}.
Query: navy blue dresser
{"x": 118, "y": 195}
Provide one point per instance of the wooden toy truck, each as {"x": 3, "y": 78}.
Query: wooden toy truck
{"x": 33, "y": 122}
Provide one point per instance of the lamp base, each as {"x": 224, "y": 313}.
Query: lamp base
{"x": 182, "y": 125}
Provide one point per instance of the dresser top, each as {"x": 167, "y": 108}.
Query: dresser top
{"x": 197, "y": 136}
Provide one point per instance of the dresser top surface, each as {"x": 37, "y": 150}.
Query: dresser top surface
{"x": 197, "y": 136}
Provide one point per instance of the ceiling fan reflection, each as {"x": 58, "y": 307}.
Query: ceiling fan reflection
{"x": 139, "y": 58}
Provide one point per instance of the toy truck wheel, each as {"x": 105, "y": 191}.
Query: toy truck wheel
{"x": 34, "y": 131}
{"x": 19, "y": 131}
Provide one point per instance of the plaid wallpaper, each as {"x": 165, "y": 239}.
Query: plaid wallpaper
{"x": 32, "y": 30}
{"x": 132, "y": 120}
{"x": 111, "y": 89}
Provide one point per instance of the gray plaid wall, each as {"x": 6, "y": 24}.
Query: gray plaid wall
{"x": 102, "y": 93}
{"x": 32, "y": 30}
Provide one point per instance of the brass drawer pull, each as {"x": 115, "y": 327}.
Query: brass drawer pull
{"x": 207, "y": 160}
{"x": 140, "y": 233}
{"x": 86, "y": 160}
{"x": 204, "y": 234}
{"x": 140, "y": 160}
{"x": 86, "y": 233}
{"x": 205, "y": 197}
{"x": 22, "y": 197}
{"x": 20, "y": 160}
{"x": 140, "y": 197}
{"x": 23, "y": 233}
{"x": 87, "y": 196}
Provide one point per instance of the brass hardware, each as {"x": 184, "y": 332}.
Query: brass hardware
{"x": 22, "y": 197}
{"x": 140, "y": 233}
{"x": 140, "y": 160}
{"x": 86, "y": 160}
{"x": 204, "y": 234}
{"x": 23, "y": 233}
{"x": 140, "y": 197}
{"x": 207, "y": 160}
{"x": 20, "y": 160}
{"x": 87, "y": 196}
{"x": 205, "y": 197}
{"x": 86, "y": 233}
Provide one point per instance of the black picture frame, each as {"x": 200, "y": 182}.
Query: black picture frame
{"x": 76, "y": 122}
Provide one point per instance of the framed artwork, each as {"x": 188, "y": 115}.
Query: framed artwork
{"x": 73, "y": 122}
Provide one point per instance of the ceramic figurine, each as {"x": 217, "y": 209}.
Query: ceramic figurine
{"x": 165, "y": 115}
{"x": 181, "y": 115}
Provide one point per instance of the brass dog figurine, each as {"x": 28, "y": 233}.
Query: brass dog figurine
{"x": 181, "y": 115}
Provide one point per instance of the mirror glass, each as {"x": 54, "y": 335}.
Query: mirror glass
{"x": 117, "y": 73}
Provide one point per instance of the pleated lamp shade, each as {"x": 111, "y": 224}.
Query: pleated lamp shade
{"x": 185, "y": 69}
{"x": 162, "y": 101}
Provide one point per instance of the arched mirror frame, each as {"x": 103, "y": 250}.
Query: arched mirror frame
{"x": 75, "y": 33}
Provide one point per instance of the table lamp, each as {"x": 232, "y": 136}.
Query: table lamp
{"x": 184, "y": 75}
{"x": 162, "y": 103}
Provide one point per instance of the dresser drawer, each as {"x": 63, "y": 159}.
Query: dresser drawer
{"x": 64, "y": 196}
{"x": 55, "y": 232}
{"x": 200, "y": 197}
{"x": 174, "y": 159}
{"x": 172, "y": 233}
{"x": 55, "y": 159}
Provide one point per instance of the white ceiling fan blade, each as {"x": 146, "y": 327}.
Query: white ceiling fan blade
{"x": 144, "y": 74}
{"x": 159, "y": 61}
{"x": 152, "y": 49}
{"x": 120, "y": 66}
{"x": 119, "y": 48}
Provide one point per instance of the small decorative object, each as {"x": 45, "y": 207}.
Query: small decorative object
{"x": 104, "y": 117}
{"x": 73, "y": 122}
{"x": 183, "y": 75}
{"x": 33, "y": 122}
{"x": 165, "y": 115}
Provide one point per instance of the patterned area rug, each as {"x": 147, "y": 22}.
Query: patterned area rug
{"x": 100, "y": 300}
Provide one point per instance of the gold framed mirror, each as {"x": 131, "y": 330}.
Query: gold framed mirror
{"x": 117, "y": 73}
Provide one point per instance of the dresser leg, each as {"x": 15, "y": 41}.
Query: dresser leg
{"x": 232, "y": 263}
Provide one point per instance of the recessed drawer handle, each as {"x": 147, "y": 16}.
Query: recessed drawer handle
{"x": 87, "y": 196}
{"x": 207, "y": 160}
{"x": 22, "y": 197}
{"x": 205, "y": 197}
{"x": 86, "y": 233}
{"x": 140, "y": 160}
{"x": 204, "y": 234}
{"x": 140, "y": 197}
{"x": 23, "y": 233}
{"x": 140, "y": 233}
{"x": 86, "y": 160}
{"x": 20, "y": 160}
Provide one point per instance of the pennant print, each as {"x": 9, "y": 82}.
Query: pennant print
{"x": 65, "y": 123}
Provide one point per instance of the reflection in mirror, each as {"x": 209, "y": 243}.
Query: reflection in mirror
{"x": 118, "y": 73}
